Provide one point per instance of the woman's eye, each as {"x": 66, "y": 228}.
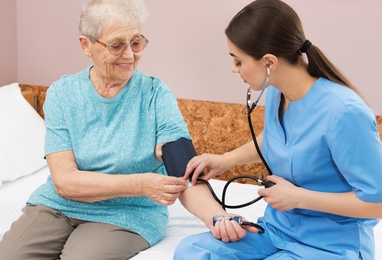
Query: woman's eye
{"x": 136, "y": 41}
{"x": 237, "y": 64}
{"x": 118, "y": 45}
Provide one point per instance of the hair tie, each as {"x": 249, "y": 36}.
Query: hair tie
{"x": 305, "y": 46}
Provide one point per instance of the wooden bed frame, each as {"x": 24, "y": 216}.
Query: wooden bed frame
{"x": 215, "y": 127}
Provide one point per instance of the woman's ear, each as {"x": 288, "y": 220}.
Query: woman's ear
{"x": 270, "y": 61}
{"x": 85, "y": 45}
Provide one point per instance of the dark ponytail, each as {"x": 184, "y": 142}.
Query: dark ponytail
{"x": 320, "y": 66}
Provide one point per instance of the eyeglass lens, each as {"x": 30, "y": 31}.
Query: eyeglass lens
{"x": 136, "y": 45}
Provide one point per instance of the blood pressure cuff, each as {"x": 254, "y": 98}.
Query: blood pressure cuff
{"x": 176, "y": 156}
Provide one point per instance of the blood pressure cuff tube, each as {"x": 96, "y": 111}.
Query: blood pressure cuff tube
{"x": 176, "y": 156}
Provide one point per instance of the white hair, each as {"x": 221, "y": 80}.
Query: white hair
{"x": 98, "y": 14}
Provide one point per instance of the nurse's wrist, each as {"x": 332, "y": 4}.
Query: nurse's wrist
{"x": 229, "y": 160}
{"x": 302, "y": 198}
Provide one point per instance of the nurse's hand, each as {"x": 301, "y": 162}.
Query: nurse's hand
{"x": 213, "y": 163}
{"x": 230, "y": 231}
{"x": 282, "y": 196}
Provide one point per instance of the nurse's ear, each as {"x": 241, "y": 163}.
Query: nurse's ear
{"x": 86, "y": 46}
{"x": 270, "y": 61}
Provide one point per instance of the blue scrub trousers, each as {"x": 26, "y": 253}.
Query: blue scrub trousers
{"x": 254, "y": 246}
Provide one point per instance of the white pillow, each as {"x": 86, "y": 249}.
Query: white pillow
{"x": 22, "y": 134}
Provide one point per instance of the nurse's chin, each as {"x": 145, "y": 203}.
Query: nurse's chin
{"x": 255, "y": 88}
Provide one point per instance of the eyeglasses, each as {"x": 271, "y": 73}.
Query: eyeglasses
{"x": 119, "y": 47}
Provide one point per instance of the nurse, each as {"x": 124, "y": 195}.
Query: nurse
{"x": 320, "y": 140}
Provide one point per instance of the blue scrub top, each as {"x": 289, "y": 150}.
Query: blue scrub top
{"x": 328, "y": 142}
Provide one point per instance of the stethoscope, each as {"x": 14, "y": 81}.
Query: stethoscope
{"x": 250, "y": 107}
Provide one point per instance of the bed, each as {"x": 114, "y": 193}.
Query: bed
{"x": 22, "y": 170}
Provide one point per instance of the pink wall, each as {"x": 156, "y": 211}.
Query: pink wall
{"x": 8, "y": 48}
{"x": 47, "y": 34}
{"x": 188, "y": 47}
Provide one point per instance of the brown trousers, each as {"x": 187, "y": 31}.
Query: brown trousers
{"x": 43, "y": 233}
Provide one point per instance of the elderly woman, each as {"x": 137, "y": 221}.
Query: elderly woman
{"x": 106, "y": 125}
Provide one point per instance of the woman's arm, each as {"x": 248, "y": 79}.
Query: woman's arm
{"x": 345, "y": 204}
{"x": 198, "y": 200}
{"x": 87, "y": 186}
{"x": 286, "y": 196}
{"x": 217, "y": 164}
{"x": 245, "y": 154}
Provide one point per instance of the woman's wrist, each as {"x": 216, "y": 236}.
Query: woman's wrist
{"x": 143, "y": 183}
{"x": 229, "y": 160}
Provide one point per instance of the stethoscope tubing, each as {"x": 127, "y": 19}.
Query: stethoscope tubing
{"x": 251, "y": 106}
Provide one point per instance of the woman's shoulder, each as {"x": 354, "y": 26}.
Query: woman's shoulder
{"x": 70, "y": 82}
{"x": 151, "y": 83}
{"x": 148, "y": 79}
{"x": 343, "y": 94}
{"x": 343, "y": 102}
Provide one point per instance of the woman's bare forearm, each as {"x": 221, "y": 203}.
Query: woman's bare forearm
{"x": 245, "y": 154}
{"x": 344, "y": 204}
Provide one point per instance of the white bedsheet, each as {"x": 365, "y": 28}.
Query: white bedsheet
{"x": 14, "y": 194}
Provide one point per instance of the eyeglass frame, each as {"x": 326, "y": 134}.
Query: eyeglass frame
{"x": 107, "y": 46}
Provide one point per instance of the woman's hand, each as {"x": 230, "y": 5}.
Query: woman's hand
{"x": 230, "y": 230}
{"x": 162, "y": 189}
{"x": 215, "y": 165}
{"x": 282, "y": 196}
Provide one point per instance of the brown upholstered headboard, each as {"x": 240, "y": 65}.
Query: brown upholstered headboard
{"x": 35, "y": 96}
